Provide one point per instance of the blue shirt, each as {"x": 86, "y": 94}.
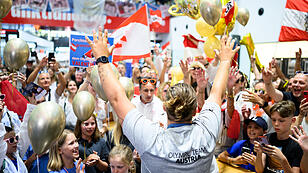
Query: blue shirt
{"x": 72, "y": 170}
{"x": 236, "y": 150}
{"x": 43, "y": 161}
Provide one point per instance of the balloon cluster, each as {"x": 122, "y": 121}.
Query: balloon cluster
{"x": 213, "y": 20}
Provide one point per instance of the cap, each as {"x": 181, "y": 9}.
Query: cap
{"x": 259, "y": 121}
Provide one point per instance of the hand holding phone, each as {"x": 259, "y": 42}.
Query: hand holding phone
{"x": 306, "y": 95}
{"x": 245, "y": 150}
{"x": 263, "y": 141}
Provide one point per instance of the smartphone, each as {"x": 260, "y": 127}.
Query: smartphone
{"x": 51, "y": 56}
{"x": 33, "y": 54}
{"x": 245, "y": 150}
{"x": 306, "y": 95}
{"x": 263, "y": 140}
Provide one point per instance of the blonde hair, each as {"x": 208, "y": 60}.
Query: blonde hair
{"x": 126, "y": 155}
{"x": 181, "y": 102}
{"x": 55, "y": 162}
{"x": 117, "y": 133}
{"x": 160, "y": 90}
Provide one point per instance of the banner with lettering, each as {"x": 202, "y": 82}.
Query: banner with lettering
{"x": 81, "y": 53}
{"x": 77, "y": 14}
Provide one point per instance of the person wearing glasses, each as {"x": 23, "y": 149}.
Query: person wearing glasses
{"x": 186, "y": 145}
{"x": 147, "y": 103}
{"x": 299, "y": 85}
{"x": 12, "y": 162}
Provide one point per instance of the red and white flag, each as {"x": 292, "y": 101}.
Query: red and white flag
{"x": 132, "y": 37}
{"x": 156, "y": 19}
{"x": 228, "y": 11}
{"x": 165, "y": 49}
{"x": 295, "y": 21}
{"x": 192, "y": 47}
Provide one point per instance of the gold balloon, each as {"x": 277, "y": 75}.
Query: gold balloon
{"x": 46, "y": 123}
{"x": 96, "y": 82}
{"x": 128, "y": 86}
{"x": 210, "y": 11}
{"x": 242, "y": 16}
{"x": 16, "y": 53}
{"x": 83, "y": 105}
{"x": 204, "y": 29}
{"x": 210, "y": 44}
{"x": 5, "y": 6}
{"x": 188, "y": 8}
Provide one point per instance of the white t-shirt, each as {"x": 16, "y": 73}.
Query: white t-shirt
{"x": 52, "y": 95}
{"x": 188, "y": 148}
{"x": 70, "y": 117}
{"x": 153, "y": 111}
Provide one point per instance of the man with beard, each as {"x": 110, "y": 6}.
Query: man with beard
{"x": 299, "y": 85}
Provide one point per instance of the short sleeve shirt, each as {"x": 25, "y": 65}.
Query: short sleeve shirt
{"x": 186, "y": 148}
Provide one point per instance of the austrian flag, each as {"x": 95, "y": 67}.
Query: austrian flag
{"x": 295, "y": 21}
{"x": 132, "y": 37}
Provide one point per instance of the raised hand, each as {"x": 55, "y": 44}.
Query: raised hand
{"x": 201, "y": 80}
{"x": 246, "y": 112}
{"x": 226, "y": 53}
{"x": 300, "y": 137}
{"x": 99, "y": 44}
{"x": 184, "y": 67}
{"x": 253, "y": 97}
{"x": 43, "y": 62}
{"x": 267, "y": 74}
{"x": 233, "y": 77}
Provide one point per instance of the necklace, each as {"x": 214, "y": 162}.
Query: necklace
{"x": 66, "y": 170}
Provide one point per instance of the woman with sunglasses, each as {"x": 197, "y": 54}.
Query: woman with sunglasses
{"x": 92, "y": 148}
{"x": 12, "y": 162}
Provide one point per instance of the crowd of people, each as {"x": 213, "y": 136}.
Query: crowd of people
{"x": 215, "y": 114}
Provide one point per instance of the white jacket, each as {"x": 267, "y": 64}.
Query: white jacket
{"x": 9, "y": 166}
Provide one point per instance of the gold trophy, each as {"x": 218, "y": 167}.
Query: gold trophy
{"x": 188, "y": 8}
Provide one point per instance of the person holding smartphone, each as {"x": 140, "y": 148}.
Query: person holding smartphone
{"x": 282, "y": 154}
{"x": 241, "y": 152}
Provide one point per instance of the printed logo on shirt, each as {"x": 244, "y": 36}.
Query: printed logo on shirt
{"x": 187, "y": 157}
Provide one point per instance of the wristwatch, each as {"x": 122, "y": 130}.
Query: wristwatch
{"x": 102, "y": 59}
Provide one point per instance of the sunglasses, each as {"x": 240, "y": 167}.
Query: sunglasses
{"x": 12, "y": 139}
{"x": 145, "y": 81}
{"x": 260, "y": 91}
{"x": 302, "y": 72}
{"x": 2, "y": 96}
{"x": 196, "y": 68}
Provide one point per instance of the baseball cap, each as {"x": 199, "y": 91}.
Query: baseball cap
{"x": 259, "y": 121}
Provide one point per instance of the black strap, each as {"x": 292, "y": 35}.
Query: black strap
{"x": 49, "y": 95}
{"x": 12, "y": 125}
{"x": 64, "y": 106}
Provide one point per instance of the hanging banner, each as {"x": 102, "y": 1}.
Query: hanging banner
{"x": 81, "y": 53}
{"x": 76, "y": 14}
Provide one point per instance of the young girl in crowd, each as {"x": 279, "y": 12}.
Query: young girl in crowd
{"x": 12, "y": 162}
{"x": 92, "y": 148}
{"x": 121, "y": 160}
{"x": 63, "y": 153}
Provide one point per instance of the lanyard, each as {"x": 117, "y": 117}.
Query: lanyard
{"x": 178, "y": 125}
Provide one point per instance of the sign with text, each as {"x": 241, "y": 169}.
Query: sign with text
{"x": 80, "y": 51}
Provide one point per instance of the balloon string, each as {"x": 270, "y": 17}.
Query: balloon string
{"x": 38, "y": 164}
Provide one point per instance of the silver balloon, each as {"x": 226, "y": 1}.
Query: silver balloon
{"x": 16, "y": 53}
{"x": 5, "y": 6}
{"x": 83, "y": 105}
{"x": 128, "y": 86}
{"x": 96, "y": 82}
{"x": 211, "y": 11}
{"x": 46, "y": 123}
{"x": 242, "y": 16}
